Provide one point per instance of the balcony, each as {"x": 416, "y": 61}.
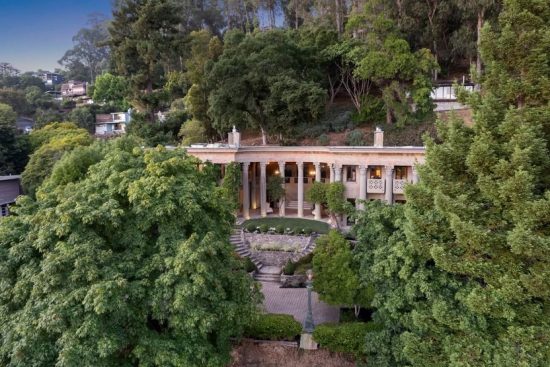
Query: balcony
{"x": 375, "y": 186}
{"x": 399, "y": 186}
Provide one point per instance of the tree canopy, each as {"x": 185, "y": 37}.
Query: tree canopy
{"x": 122, "y": 260}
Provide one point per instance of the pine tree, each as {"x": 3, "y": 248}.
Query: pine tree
{"x": 478, "y": 224}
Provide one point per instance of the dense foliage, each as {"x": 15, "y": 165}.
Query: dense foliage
{"x": 273, "y": 327}
{"x": 122, "y": 260}
{"x": 14, "y": 146}
{"x": 348, "y": 338}
{"x": 461, "y": 275}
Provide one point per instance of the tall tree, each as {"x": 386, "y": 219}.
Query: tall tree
{"x": 476, "y": 262}
{"x": 124, "y": 260}
{"x": 274, "y": 93}
{"x": 14, "y": 147}
{"x": 143, "y": 43}
{"x": 89, "y": 50}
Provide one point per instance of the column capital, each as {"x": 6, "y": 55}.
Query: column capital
{"x": 281, "y": 163}
{"x": 263, "y": 164}
{"x": 246, "y": 164}
{"x": 363, "y": 170}
{"x": 300, "y": 164}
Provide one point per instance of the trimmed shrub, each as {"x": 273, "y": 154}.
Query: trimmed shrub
{"x": 264, "y": 228}
{"x": 348, "y": 338}
{"x": 273, "y": 327}
{"x": 280, "y": 229}
{"x": 297, "y": 230}
{"x": 307, "y": 231}
{"x": 289, "y": 268}
{"x": 249, "y": 266}
{"x": 323, "y": 139}
{"x": 251, "y": 227}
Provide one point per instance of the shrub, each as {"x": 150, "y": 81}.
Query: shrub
{"x": 307, "y": 231}
{"x": 273, "y": 327}
{"x": 297, "y": 231}
{"x": 251, "y": 227}
{"x": 355, "y": 138}
{"x": 372, "y": 111}
{"x": 323, "y": 139}
{"x": 264, "y": 228}
{"x": 280, "y": 229}
{"x": 249, "y": 266}
{"x": 346, "y": 338}
{"x": 289, "y": 268}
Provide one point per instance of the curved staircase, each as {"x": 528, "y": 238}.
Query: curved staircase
{"x": 241, "y": 247}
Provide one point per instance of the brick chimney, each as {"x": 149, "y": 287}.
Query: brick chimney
{"x": 378, "y": 138}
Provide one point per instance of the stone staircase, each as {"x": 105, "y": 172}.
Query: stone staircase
{"x": 242, "y": 248}
{"x": 294, "y": 205}
{"x": 268, "y": 274}
{"x": 306, "y": 250}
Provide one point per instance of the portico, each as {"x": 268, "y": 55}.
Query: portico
{"x": 368, "y": 173}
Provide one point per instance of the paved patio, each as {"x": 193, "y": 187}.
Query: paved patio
{"x": 293, "y": 301}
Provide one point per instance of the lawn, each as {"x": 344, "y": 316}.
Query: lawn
{"x": 315, "y": 226}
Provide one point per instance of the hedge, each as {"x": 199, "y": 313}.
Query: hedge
{"x": 274, "y": 327}
{"x": 348, "y": 338}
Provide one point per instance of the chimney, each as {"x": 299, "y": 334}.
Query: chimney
{"x": 234, "y": 137}
{"x": 378, "y": 138}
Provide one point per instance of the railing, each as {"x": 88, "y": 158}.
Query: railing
{"x": 375, "y": 186}
{"x": 399, "y": 186}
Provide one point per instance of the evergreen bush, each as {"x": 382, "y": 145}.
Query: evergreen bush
{"x": 280, "y": 229}
{"x": 323, "y": 140}
{"x": 273, "y": 327}
{"x": 355, "y": 138}
{"x": 289, "y": 268}
{"x": 264, "y": 228}
{"x": 348, "y": 338}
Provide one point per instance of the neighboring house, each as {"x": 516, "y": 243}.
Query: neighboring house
{"x": 10, "y": 189}
{"x": 367, "y": 172}
{"x": 51, "y": 79}
{"x": 73, "y": 88}
{"x": 444, "y": 96}
{"x": 112, "y": 123}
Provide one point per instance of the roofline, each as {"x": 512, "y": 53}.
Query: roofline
{"x": 10, "y": 177}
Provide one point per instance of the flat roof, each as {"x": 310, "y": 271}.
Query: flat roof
{"x": 10, "y": 177}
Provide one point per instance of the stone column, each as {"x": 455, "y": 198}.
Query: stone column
{"x": 317, "y": 212}
{"x": 300, "y": 189}
{"x": 254, "y": 187}
{"x": 415, "y": 175}
{"x": 282, "y": 202}
{"x": 338, "y": 173}
{"x": 246, "y": 192}
{"x": 263, "y": 187}
{"x": 389, "y": 184}
{"x": 331, "y": 169}
{"x": 362, "y": 185}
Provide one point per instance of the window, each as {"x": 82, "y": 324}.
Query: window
{"x": 351, "y": 173}
{"x": 4, "y": 211}
{"x": 400, "y": 172}
{"x": 376, "y": 173}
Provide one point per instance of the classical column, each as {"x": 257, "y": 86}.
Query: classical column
{"x": 317, "y": 212}
{"x": 331, "y": 169}
{"x": 282, "y": 202}
{"x": 338, "y": 173}
{"x": 246, "y": 193}
{"x": 263, "y": 186}
{"x": 389, "y": 184}
{"x": 254, "y": 187}
{"x": 415, "y": 175}
{"x": 300, "y": 189}
{"x": 362, "y": 185}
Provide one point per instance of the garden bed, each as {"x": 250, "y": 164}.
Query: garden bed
{"x": 295, "y": 225}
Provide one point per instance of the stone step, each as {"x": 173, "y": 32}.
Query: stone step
{"x": 294, "y": 205}
{"x": 261, "y": 277}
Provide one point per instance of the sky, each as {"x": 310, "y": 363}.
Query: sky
{"x": 36, "y": 33}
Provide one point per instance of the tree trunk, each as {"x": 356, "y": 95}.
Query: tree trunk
{"x": 264, "y": 138}
{"x": 338, "y": 16}
{"x": 480, "y": 21}
{"x": 388, "y": 115}
{"x": 356, "y": 310}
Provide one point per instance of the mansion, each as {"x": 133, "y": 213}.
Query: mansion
{"x": 367, "y": 172}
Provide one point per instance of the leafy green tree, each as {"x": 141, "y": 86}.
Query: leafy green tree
{"x": 403, "y": 76}
{"x": 331, "y": 196}
{"x": 50, "y": 145}
{"x": 273, "y": 94}
{"x": 123, "y": 262}
{"x": 83, "y": 117}
{"x": 143, "y": 39}
{"x": 111, "y": 89}
{"x": 474, "y": 264}
{"x": 275, "y": 190}
{"x": 14, "y": 147}
{"x": 192, "y": 131}
{"x": 16, "y": 99}
{"x": 90, "y": 54}
{"x": 43, "y": 117}
{"x": 336, "y": 273}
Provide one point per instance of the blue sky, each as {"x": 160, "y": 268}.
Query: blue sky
{"x": 36, "y": 33}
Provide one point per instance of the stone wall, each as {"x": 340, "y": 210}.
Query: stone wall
{"x": 273, "y": 258}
